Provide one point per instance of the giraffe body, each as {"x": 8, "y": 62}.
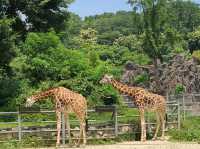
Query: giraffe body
{"x": 144, "y": 100}
{"x": 66, "y": 101}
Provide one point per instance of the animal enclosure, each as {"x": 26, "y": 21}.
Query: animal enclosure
{"x": 104, "y": 122}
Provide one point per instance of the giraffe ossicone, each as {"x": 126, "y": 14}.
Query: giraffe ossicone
{"x": 144, "y": 100}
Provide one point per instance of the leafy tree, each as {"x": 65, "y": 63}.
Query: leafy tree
{"x": 184, "y": 15}
{"x": 194, "y": 40}
{"x": 132, "y": 42}
{"x": 74, "y": 25}
{"x": 155, "y": 28}
{"x": 111, "y": 26}
{"x": 39, "y": 15}
{"x": 7, "y": 42}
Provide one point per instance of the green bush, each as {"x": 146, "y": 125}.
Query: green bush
{"x": 143, "y": 78}
{"x": 190, "y": 130}
{"x": 185, "y": 135}
{"x": 196, "y": 55}
{"x": 179, "y": 89}
{"x": 10, "y": 145}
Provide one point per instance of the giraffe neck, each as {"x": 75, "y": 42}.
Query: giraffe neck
{"x": 125, "y": 89}
{"x": 44, "y": 94}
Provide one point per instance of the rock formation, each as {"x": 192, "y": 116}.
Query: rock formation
{"x": 180, "y": 70}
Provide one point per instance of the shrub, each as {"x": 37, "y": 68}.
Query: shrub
{"x": 10, "y": 145}
{"x": 179, "y": 89}
{"x": 190, "y": 130}
{"x": 196, "y": 55}
{"x": 141, "y": 78}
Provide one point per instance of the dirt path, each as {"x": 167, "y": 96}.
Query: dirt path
{"x": 139, "y": 145}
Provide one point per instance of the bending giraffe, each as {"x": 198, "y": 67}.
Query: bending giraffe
{"x": 144, "y": 100}
{"x": 66, "y": 101}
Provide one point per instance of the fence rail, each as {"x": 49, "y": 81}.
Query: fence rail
{"x": 177, "y": 108}
{"x": 113, "y": 126}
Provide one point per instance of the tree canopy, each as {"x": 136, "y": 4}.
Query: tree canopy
{"x": 44, "y": 45}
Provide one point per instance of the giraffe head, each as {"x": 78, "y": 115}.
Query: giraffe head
{"x": 106, "y": 79}
{"x": 29, "y": 101}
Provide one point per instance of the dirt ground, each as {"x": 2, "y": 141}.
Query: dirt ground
{"x": 141, "y": 145}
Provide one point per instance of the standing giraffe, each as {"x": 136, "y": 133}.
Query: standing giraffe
{"x": 144, "y": 100}
{"x": 66, "y": 101}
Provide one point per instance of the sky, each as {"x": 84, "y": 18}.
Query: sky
{"x": 92, "y": 7}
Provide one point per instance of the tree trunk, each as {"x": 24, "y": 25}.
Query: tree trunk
{"x": 156, "y": 63}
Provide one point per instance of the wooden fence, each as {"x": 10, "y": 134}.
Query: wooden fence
{"x": 111, "y": 128}
{"x": 189, "y": 104}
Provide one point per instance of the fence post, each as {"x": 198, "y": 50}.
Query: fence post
{"x": 63, "y": 128}
{"x": 19, "y": 126}
{"x": 116, "y": 121}
{"x": 167, "y": 97}
{"x": 179, "y": 115}
{"x": 183, "y": 106}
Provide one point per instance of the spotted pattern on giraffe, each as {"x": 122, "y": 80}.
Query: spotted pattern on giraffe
{"x": 144, "y": 100}
{"x": 66, "y": 101}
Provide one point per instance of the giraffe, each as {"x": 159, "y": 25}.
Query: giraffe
{"x": 144, "y": 100}
{"x": 66, "y": 101}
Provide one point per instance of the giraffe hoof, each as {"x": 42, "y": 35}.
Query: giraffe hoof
{"x": 57, "y": 146}
{"x": 70, "y": 145}
{"x": 143, "y": 140}
{"x": 154, "y": 138}
{"x": 162, "y": 138}
{"x": 82, "y": 146}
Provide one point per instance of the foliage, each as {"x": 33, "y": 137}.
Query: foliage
{"x": 179, "y": 89}
{"x": 44, "y": 46}
{"x": 141, "y": 78}
{"x": 9, "y": 88}
{"x": 110, "y": 26}
{"x": 36, "y": 15}
{"x": 7, "y": 42}
{"x": 10, "y": 145}
{"x": 44, "y": 62}
{"x": 194, "y": 40}
{"x": 132, "y": 42}
{"x": 189, "y": 130}
{"x": 184, "y": 15}
{"x": 196, "y": 55}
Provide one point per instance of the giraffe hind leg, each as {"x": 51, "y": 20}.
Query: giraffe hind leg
{"x": 143, "y": 126}
{"x": 81, "y": 134}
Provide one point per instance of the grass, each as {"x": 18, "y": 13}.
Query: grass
{"x": 190, "y": 130}
{"x": 24, "y": 124}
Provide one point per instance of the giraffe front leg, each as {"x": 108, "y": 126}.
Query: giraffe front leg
{"x": 157, "y": 126}
{"x": 163, "y": 121}
{"x": 68, "y": 128}
{"x": 143, "y": 125}
{"x": 84, "y": 134}
{"x": 58, "y": 115}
